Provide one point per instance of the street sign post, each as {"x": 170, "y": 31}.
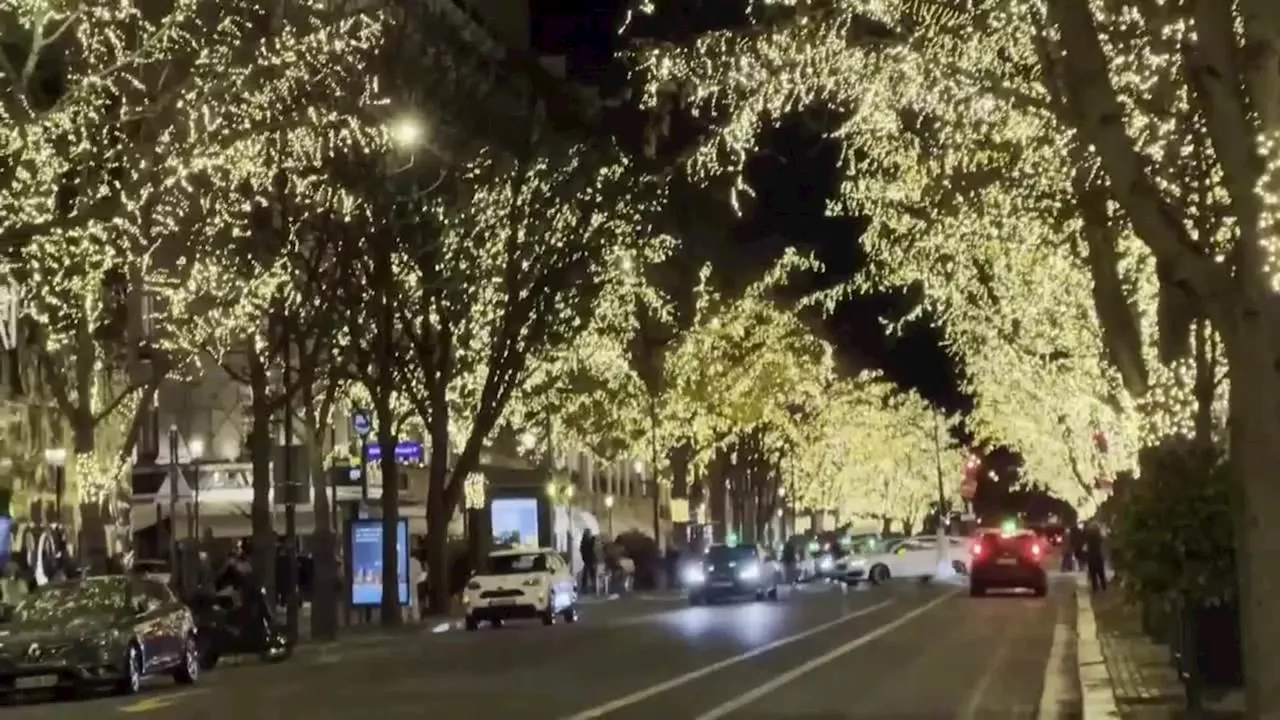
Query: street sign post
{"x": 362, "y": 425}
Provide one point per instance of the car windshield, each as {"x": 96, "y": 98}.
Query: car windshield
{"x": 516, "y": 564}
{"x": 866, "y": 544}
{"x": 724, "y": 553}
{"x": 63, "y": 603}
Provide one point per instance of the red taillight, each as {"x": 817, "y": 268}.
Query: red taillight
{"x": 1035, "y": 549}
{"x": 976, "y": 548}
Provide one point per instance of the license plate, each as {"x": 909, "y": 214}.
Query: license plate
{"x": 503, "y": 601}
{"x": 722, "y": 583}
{"x": 35, "y": 682}
{"x": 1007, "y": 561}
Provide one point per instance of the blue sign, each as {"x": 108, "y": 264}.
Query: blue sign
{"x": 406, "y": 452}
{"x": 361, "y": 424}
{"x": 6, "y": 538}
{"x": 365, "y": 551}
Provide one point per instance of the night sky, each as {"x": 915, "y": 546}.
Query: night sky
{"x": 793, "y": 174}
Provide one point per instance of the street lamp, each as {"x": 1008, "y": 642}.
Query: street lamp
{"x": 608, "y": 506}
{"x": 196, "y": 448}
{"x": 406, "y": 132}
{"x": 56, "y": 458}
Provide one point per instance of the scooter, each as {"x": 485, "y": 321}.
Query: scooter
{"x": 222, "y": 629}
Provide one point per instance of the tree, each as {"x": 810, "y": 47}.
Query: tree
{"x": 113, "y": 120}
{"x": 1162, "y": 110}
{"x": 509, "y": 274}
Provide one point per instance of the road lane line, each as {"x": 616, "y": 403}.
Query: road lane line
{"x": 974, "y": 704}
{"x": 1058, "y": 695}
{"x": 159, "y": 702}
{"x": 675, "y": 682}
{"x": 791, "y": 675}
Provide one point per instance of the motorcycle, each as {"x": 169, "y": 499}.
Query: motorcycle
{"x": 223, "y": 629}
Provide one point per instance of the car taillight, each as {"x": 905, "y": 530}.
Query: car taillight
{"x": 976, "y": 549}
{"x": 1035, "y": 549}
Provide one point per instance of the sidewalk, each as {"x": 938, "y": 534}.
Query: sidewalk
{"x": 1123, "y": 672}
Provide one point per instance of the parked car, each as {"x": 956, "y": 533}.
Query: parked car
{"x": 103, "y": 632}
{"x": 521, "y": 583}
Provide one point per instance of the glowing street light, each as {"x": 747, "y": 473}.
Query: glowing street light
{"x": 406, "y": 132}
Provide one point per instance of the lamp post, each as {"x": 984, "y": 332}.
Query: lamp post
{"x": 56, "y": 458}
{"x": 608, "y": 506}
{"x": 196, "y": 448}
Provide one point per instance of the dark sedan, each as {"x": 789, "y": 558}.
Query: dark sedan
{"x": 98, "y": 633}
{"x": 732, "y": 571}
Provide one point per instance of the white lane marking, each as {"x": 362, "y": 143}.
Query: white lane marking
{"x": 1057, "y": 694}
{"x": 974, "y": 704}
{"x": 791, "y": 675}
{"x": 675, "y": 682}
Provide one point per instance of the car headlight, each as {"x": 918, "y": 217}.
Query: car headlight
{"x": 826, "y": 563}
{"x": 694, "y": 576}
{"x": 858, "y": 562}
{"x": 751, "y": 572}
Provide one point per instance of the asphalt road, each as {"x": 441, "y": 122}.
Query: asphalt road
{"x": 902, "y": 651}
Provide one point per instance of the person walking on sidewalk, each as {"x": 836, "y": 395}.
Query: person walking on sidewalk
{"x": 587, "y": 551}
{"x": 1093, "y": 557}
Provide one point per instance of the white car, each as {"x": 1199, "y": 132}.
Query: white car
{"x": 913, "y": 557}
{"x": 521, "y": 584}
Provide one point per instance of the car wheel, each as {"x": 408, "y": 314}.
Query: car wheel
{"x": 496, "y": 623}
{"x": 761, "y": 595}
{"x": 570, "y": 614}
{"x": 959, "y": 567}
{"x": 773, "y": 593}
{"x": 696, "y": 599}
{"x": 549, "y": 616}
{"x": 471, "y": 624}
{"x": 188, "y": 670}
{"x": 1041, "y": 590}
{"x": 131, "y": 683}
{"x": 977, "y": 591}
{"x": 879, "y": 574}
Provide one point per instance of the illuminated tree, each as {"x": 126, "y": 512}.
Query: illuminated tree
{"x": 115, "y": 119}
{"x": 1145, "y": 127}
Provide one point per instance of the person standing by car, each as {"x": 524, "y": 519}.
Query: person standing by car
{"x": 587, "y": 549}
{"x": 13, "y": 587}
{"x": 790, "y": 561}
{"x": 1095, "y": 562}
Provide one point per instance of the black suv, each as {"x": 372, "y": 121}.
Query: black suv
{"x": 1007, "y": 561}
{"x": 726, "y": 571}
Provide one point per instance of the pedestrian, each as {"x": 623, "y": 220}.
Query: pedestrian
{"x": 587, "y": 549}
{"x": 790, "y": 561}
{"x": 1069, "y": 549}
{"x": 1094, "y": 559}
{"x": 13, "y": 587}
{"x": 1077, "y": 547}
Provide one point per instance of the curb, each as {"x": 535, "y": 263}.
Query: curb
{"x": 1097, "y": 690}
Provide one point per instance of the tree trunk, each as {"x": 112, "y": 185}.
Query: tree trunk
{"x": 324, "y": 580}
{"x": 1255, "y": 455}
{"x": 886, "y": 526}
{"x": 390, "y": 508}
{"x": 438, "y": 516}
{"x": 260, "y": 515}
